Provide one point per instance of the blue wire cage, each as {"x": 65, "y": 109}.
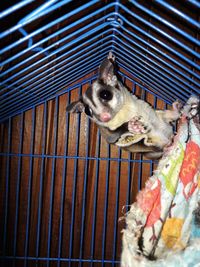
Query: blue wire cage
{"x": 63, "y": 189}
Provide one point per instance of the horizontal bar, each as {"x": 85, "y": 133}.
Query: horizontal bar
{"x": 140, "y": 85}
{"x": 154, "y": 48}
{"x": 39, "y": 94}
{"x": 21, "y": 25}
{"x": 161, "y": 32}
{"x": 150, "y": 36}
{"x": 178, "y": 12}
{"x": 147, "y": 80}
{"x": 73, "y": 87}
{"x": 57, "y": 33}
{"x": 41, "y": 101}
{"x": 72, "y": 42}
{"x": 154, "y": 70}
{"x": 157, "y": 89}
{"x": 146, "y": 76}
{"x": 83, "y": 44}
{"x": 7, "y": 92}
{"x": 56, "y": 259}
{"x": 194, "y": 2}
{"x": 64, "y": 91}
{"x": 145, "y": 58}
{"x": 47, "y": 89}
{"x": 46, "y": 7}
{"x": 32, "y": 89}
{"x": 165, "y": 22}
{"x": 72, "y": 157}
{"x": 15, "y": 8}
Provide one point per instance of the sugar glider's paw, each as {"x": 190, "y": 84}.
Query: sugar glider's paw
{"x": 137, "y": 126}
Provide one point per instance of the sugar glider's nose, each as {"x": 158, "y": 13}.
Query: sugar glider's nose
{"x": 105, "y": 116}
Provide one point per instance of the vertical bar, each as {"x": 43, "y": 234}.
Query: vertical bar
{"x": 41, "y": 183}
{"x": 151, "y": 168}
{"x": 52, "y": 181}
{"x": 129, "y": 167}
{"x": 63, "y": 185}
{"x": 95, "y": 198}
{"x": 134, "y": 87}
{"x": 18, "y": 186}
{"x": 74, "y": 187}
{"x": 140, "y": 173}
{"x": 128, "y": 194}
{"x": 143, "y": 97}
{"x": 105, "y": 206}
{"x": 29, "y": 187}
{"x": 152, "y": 164}
{"x": 7, "y": 187}
{"x": 84, "y": 192}
{"x": 116, "y": 208}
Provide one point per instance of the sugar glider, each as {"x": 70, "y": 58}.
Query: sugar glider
{"x": 124, "y": 119}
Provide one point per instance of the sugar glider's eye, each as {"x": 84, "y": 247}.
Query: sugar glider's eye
{"x": 88, "y": 111}
{"x": 106, "y": 95}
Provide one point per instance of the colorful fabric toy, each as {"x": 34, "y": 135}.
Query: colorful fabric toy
{"x": 161, "y": 223}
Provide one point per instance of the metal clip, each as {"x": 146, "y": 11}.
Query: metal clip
{"x": 116, "y": 22}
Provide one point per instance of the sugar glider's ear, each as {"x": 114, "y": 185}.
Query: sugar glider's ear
{"x": 76, "y": 106}
{"x": 107, "y": 71}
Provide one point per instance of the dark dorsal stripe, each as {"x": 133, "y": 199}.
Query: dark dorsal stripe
{"x": 89, "y": 95}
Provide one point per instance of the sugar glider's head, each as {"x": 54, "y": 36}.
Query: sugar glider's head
{"x": 104, "y": 98}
